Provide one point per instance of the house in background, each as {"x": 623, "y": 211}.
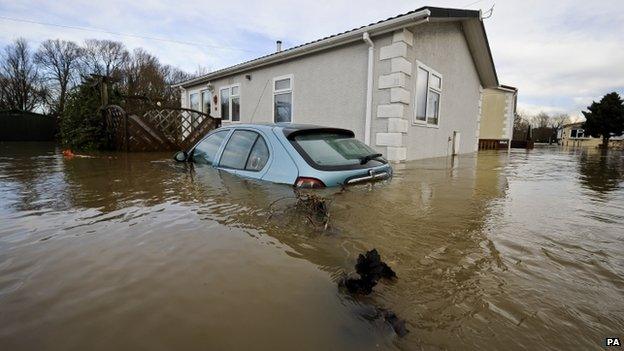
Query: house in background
{"x": 573, "y": 134}
{"x": 498, "y": 109}
{"x": 410, "y": 86}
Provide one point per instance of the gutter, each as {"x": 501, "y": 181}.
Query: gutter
{"x": 323, "y": 44}
{"x": 369, "y": 88}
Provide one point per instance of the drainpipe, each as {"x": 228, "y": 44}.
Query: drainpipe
{"x": 369, "y": 88}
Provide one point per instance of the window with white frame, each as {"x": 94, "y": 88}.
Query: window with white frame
{"x": 230, "y": 103}
{"x": 428, "y": 95}
{"x": 283, "y": 99}
{"x": 577, "y": 133}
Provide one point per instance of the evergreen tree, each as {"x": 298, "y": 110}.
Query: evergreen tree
{"x": 82, "y": 126}
{"x": 605, "y": 118}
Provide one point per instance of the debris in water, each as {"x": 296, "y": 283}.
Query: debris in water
{"x": 68, "y": 153}
{"x": 371, "y": 269}
{"x": 395, "y": 322}
{"x": 314, "y": 207}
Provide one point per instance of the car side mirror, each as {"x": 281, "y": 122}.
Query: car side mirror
{"x": 180, "y": 156}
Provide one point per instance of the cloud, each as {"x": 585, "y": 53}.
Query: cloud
{"x": 560, "y": 54}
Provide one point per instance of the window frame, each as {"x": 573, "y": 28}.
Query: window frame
{"x": 580, "y": 133}
{"x": 229, "y": 88}
{"x": 430, "y": 72}
{"x": 290, "y": 90}
{"x": 258, "y": 135}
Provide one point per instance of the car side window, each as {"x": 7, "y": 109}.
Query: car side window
{"x": 258, "y": 157}
{"x": 206, "y": 150}
{"x": 241, "y": 148}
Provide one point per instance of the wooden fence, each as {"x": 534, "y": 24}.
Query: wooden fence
{"x": 157, "y": 129}
{"x": 26, "y": 126}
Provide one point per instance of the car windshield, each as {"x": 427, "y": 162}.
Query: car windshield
{"x": 330, "y": 150}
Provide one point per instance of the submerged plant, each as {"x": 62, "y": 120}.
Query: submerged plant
{"x": 314, "y": 207}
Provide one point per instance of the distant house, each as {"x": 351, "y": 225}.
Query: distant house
{"x": 410, "y": 86}
{"x": 498, "y": 109}
{"x": 573, "y": 134}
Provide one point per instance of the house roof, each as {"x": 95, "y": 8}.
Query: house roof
{"x": 474, "y": 31}
{"x": 574, "y": 124}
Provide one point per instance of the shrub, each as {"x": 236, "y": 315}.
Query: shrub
{"x": 82, "y": 126}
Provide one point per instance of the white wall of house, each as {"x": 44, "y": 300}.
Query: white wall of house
{"x": 329, "y": 88}
{"x": 441, "y": 48}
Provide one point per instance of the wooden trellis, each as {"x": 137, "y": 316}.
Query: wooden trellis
{"x": 158, "y": 129}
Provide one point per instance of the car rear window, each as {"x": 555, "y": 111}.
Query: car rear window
{"x": 329, "y": 150}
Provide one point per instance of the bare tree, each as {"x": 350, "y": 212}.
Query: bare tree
{"x": 172, "y": 76}
{"x": 559, "y": 120}
{"x": 104, "y": 57}
{"x": 3, "y": 97}
{"x": 59, "y": 61}
{"x": 142, "y": 74}
{"x": 520, "y": 126}
{"x": 542, "y": 120}
{"x": 22, "y": 87}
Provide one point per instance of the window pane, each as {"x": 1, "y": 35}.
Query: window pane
{"x": 282, "y": 84}
{"x": 194, "y": 105}
{"x": 235, "y": 90}
{"x": 206, "y": 102}
{"x": 258, "y": 157}
{"x": 433, "y": 107}
{"x": 283, "y": 107}
{"x": 194, "y": 102}
{"x": 207, "y": 149}
{"x": 573, "y": 133}
{"x": 225, "y": 104}
{"x": 436, "y": 81}
{"x": 236, "y": 109}
{"x": 421, "y": 93}
{"x": 237, "y": 149}
{"x": 332, "y": 149}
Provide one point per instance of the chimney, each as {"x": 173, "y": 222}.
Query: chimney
{"x": 278, "y": 46}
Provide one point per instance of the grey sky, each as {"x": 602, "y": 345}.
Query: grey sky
{"x": 560, "y": 54}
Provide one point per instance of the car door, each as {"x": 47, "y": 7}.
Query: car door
{"x": 207, "y": 151}
{"x": 246, "y": 153}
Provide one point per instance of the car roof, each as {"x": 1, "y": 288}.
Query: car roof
{"x": 288, "y": 128}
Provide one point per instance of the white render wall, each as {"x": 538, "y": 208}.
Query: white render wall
{"x": 329, "y": 88}
{"x": 443, "y": 48}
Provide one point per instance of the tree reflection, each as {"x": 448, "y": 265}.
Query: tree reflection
{"x": 601, "y": 170}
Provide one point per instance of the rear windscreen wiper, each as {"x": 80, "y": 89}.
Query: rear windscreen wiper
{"x": 367, "y": 158}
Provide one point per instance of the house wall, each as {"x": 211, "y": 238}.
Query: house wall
{"x": 329, "y": 88}
{"x": 443, "y": 48}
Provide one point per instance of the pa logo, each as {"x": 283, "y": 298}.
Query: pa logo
{"x": 613, "y": 342}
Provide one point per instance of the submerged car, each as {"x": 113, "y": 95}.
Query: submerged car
{"x": 305, "y": 156}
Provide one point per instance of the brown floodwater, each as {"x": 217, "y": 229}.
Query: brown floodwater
{"x": 136, "y": 252}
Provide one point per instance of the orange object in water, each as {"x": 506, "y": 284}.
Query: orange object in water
{"x": 68, "y": 153}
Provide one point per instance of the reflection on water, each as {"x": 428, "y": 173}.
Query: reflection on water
{"x": 135, "y": 251}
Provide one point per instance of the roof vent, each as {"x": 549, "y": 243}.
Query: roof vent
{"x": 278, "y": 46}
